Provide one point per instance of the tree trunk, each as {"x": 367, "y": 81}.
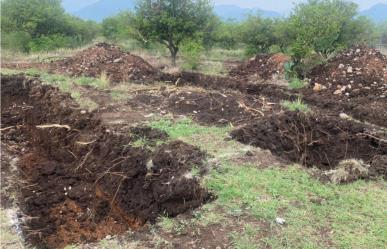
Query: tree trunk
{"x": 173, "y": 51}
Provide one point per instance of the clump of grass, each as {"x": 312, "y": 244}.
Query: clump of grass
{"x": 297, "y": 105}
{"x": 296, "y": 83}
{"x": 100, "y": 83}
{"x": 185, "y": 128}
{"x": 246, "y": 240}
{"x": 84, "y": 81}
{"x": 87, "y": 103}
{"x": 166, "y": 223}
{"x": 103, "y": 81}
{"x": 117, "y": 95}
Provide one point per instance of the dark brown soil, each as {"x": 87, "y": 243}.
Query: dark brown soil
{"x": 262, "y": 67}
{"x": 207, "y": 107}
{"x": 80, "y": 182}
{"x": 314, "y": 140}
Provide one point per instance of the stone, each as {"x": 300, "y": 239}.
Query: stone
{"x": 280, "y": 221}
{"x": 317, "y": 87}
{"x": 337, "y": 92}
{"x": 341, "y": 66}
{"x": 349, "y": 69}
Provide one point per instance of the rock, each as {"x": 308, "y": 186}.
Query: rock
{"x": 350, "y": 69}
{"x": 344, "y": 116}
{"x": 341, "y": 66}
{"x": 117, "y": 60}
{"x": 280, "y": 221}
{"x": 337, "y": 92}
{"x": 317, "y": 87}
{"x": 358, "y": 50}
{"x": 83, "y": 112}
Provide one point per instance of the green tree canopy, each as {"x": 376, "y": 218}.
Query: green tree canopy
{"x": 327, "y": 25}
{"x": 42, "y": 24}
{"x": 171, "y": 21}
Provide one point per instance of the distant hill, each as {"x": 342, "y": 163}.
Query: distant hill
{"x": 377, "y": 13}
{"x": 97, "y": 10}
{"x": 233, "y": 12}
{"x": 104, "y": 8}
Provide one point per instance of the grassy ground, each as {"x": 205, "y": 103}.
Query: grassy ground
{"x": 211, "y": 61}
{"x": 317, "y": 215}
{"x": 250, "y": 198}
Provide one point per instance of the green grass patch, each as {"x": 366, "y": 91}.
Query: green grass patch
{"x": 317, "y": 215}
{"x": 185, "y": 128}
{"x": 100, "y": 83}
{"x": 297, "y": 105}
{"x": 296, "y": 83}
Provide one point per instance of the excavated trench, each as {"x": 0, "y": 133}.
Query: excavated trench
{"x": 318, "y": 140}
{"x": 77, "y": 180}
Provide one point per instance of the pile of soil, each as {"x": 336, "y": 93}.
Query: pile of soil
{"x": 357, "y": 72}
{"x": 262, "y": 67}
{"x": 316, "y": 140}
{"x": 103, "y": 58}
{"x": 79, "y": 181}
{"x": 353, "y": 82}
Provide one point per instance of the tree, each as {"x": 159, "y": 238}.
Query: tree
{"x": 327, "y": 25}
{"x": 117, "y": 27}
{"x": 42, "y": 25}
{"x": 171, "y": 21}
{"x": 382, "y": 33}
{"x": 258, "y": 34}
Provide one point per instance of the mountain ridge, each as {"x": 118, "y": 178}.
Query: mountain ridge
{"x": 97, "y": 10}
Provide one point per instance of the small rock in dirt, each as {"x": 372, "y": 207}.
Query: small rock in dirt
{"x": 344, "y": 116}
{"x": 117, "y": 60}
{"x": 280, "y": 221}
{"x": 337, "y": 92}
{"x": 83, "y": 112}
{"x": 350, "y": 69}
{"x": 317, "y": 87}
{"x": 358, "y": 50}
{"x": 341, "y": 66}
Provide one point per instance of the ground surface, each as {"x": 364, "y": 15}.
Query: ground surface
{"x": 255, "y": 184}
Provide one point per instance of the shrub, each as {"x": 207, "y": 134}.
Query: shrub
{"x": 16, "y": 41}
{"x": 48, "y": 43}
{"x": 191, "y": 51}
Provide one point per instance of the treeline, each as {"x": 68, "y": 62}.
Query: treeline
{"x": 36, "y": 25}
{"x": 311, "y": 33}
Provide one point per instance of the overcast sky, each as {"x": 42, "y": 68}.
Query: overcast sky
{"x": 286, "y": 5}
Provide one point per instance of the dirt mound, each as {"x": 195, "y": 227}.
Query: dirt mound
{"x": 357, "y": 72}
{"x": 262, "y": 67}
{"x": 354, "y": 82}
{"x": 79, "y": 181}
{"x": 314, "y": 140}
{"x": 106, "y": 59}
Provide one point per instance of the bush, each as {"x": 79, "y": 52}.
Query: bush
{"x": 191, "y": 51}
{"x": 16, "y": 41}
{"x": 48, "y": 43}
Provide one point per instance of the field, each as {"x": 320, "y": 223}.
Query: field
{"x": 102, "y": 148}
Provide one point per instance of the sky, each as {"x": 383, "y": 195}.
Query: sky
{"x": 286, "y": 5}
